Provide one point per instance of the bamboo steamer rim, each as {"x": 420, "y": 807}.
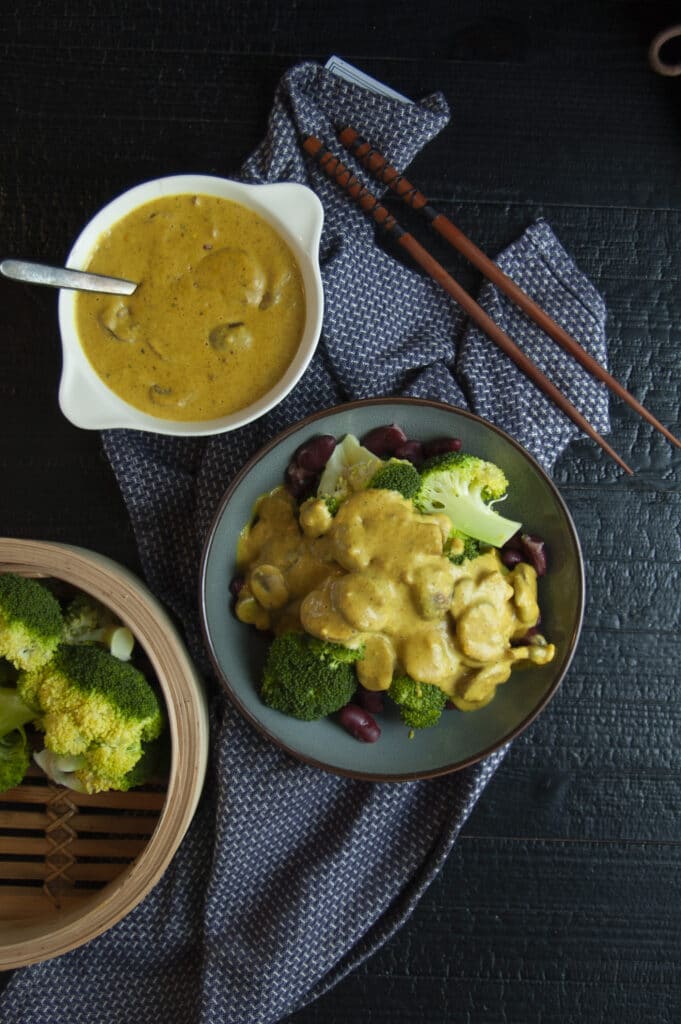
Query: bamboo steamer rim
{"x": 23, "y": 943}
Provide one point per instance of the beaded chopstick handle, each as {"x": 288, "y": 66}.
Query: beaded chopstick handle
{"x": 339, "y": 173}
{"x": 381, "y": 169}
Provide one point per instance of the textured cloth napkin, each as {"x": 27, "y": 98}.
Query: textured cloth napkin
{"x": 289, "y": 877}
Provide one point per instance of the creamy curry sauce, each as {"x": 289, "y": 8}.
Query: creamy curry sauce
{"x": 216, "y": 319}
{"x": 376, "y": 575}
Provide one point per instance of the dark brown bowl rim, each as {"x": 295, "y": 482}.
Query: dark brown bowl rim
{"x": 376, "y": 776}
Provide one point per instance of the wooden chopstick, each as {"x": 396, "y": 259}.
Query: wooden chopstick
{"x": 333, "y": 167}
{"x": 381, "y": 169}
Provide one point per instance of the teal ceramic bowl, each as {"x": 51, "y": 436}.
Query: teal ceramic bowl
{"x": 460, "y": 738}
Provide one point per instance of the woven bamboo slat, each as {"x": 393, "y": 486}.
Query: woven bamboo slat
{"x": 58, "y": 846}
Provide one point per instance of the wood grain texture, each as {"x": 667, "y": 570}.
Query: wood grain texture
{"x": 560, "y": 903}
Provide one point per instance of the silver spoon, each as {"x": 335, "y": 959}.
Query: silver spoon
{"x": 60, "y": 277}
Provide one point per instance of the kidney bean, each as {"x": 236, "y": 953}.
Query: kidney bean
{"x": 511, "y": 557}
{"x": 441, "y": 445}
{"x": 514, "y": 543}
{"x": 300, "y": 482}
{"x": 384, "y": 440}
{"x": 359, "y": 723}
{"x": 410, "y": 450}
{"x": 535, "y": 552}
{"x": 315, "y": 453}
{"x": 370, "y": 700}
{"x": 236, "y": 585}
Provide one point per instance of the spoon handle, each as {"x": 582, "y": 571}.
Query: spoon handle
{"x": 60, "y": 277}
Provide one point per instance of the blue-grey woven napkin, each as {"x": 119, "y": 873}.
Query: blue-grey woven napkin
{"x": 289, "y": 877}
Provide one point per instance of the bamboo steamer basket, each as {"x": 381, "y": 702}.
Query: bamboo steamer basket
{"x": 71, "y": 864}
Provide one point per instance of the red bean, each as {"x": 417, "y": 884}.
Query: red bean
{"x": 384, "y": 440}
{"x": 300, "y": 482}
{"x": 441, "y": 445}
{"x": 410, "y": 450}
{"x": 535, "y": 552}
{"x": 370, "y": 700}
{"x": 511, "y": 557}
{"x": 359, "y": 723}
{"x": 315, "y": 453}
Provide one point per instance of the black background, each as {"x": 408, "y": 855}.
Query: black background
{"x": 561, "y": 902}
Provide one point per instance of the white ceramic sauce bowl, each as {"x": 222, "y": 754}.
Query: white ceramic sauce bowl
{"x": 292, "y": 210}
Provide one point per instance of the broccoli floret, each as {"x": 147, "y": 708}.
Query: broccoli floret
{"x": 398, "y": 475}
{"x": 420, "y": 704}
{"x": 14, "y": 751}
{"x": 461, "y": 486}
{"x": 31, "y": 623}
{"x": 90, "y": 704}
{"x": 88, "y": 621}
{"x": 460, "y": 548}
{"x": 335, "y": 654}
{"x": 153, "y": 764}
{"x": 308, "y": 678}
{"x": 333, "y": 504}
{"x": 14, "y": 759}
{"x": 76, "y": 772}
{"x": 348, "y": 470}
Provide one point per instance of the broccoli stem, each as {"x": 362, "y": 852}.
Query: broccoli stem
{"x": 14, "y": 712}
{"x": 476, "y": 520}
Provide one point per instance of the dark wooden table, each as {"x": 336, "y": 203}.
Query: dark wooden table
{"x": 562, "y": 900}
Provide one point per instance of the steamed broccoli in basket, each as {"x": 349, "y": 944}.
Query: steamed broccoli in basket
{"x": 71, "y": 771}
{"x": 92, "y": 706}
{"x": 308, "y": 678}
{"x": 397, "y": 475}
{"x": 88, "y": 621}
{"x": 463, "y": 487}
{"x": 31, "y": 623}
{"x": 14, "y": 749}
{"x": 153, "y": 764}
{"x": 420, "y": 704}
{"x": 62, "y": 674}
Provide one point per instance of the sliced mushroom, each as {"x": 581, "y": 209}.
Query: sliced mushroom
{"x": 168, "y": 398}
{"x": 479, "y": 634}
{"x": 230, "y": 338}
{"x": 115, "y": 321}
{"x": 235, "y": 273}
{"x": 375, "y": 670}
{"x": 524, "y": 580}
{"x": 269, "y": 586}
{"x": 432, "y": 586}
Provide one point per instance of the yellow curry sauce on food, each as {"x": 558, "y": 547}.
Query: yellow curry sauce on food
{"x": 217, "y": 316}
{"x": 376, "y": 575}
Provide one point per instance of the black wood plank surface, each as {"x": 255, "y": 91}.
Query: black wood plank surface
{"x": 561, "y": 902}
